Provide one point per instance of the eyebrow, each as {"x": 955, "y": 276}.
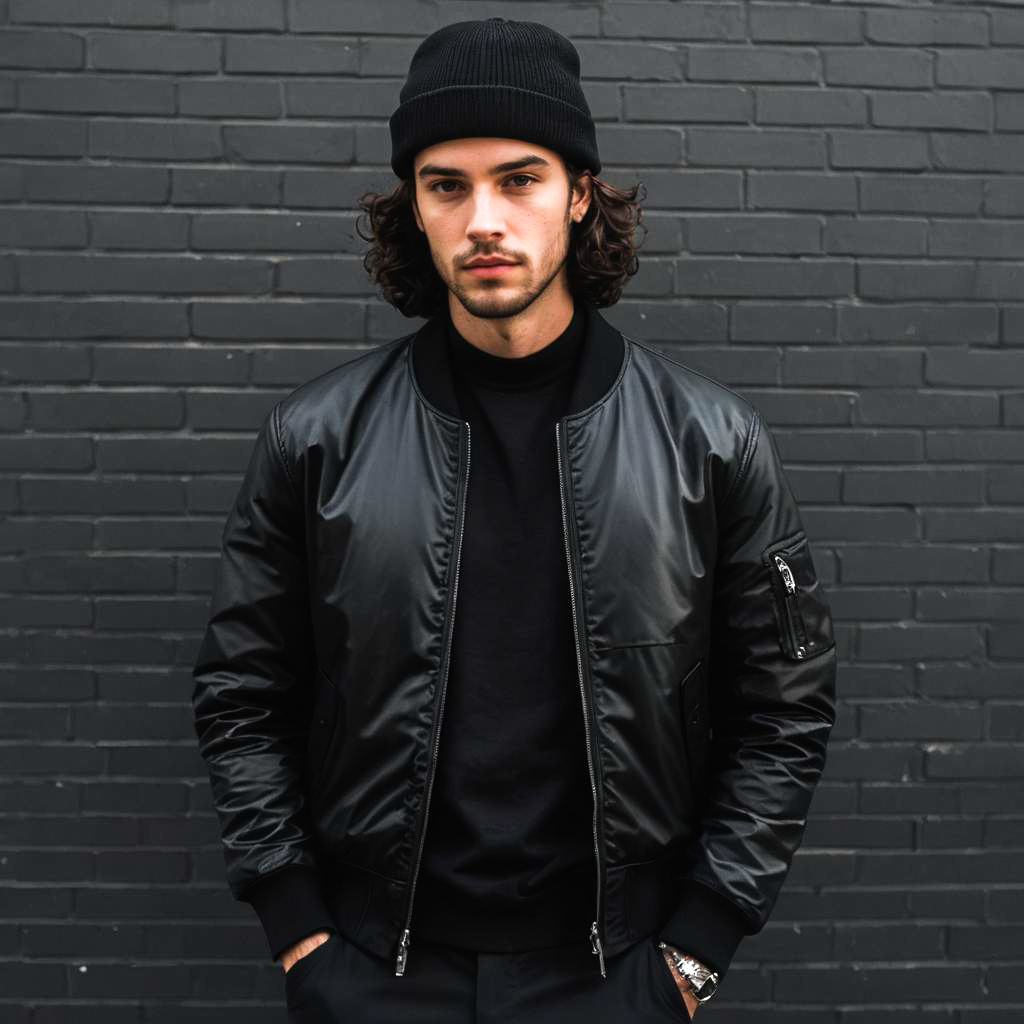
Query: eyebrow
{"x": 512, "y": 165}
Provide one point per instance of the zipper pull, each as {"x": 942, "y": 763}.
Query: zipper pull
{"x": 595, "y": 943}
{"x": 787, "y": 574}
{"x": 403, "y": 954}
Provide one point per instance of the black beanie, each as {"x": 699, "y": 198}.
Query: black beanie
{"x": 509, "y": 79}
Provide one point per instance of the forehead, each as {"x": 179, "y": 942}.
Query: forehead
{"x": 482, "y": 156}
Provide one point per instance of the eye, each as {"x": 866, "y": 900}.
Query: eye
{"x": 435, "y": 187}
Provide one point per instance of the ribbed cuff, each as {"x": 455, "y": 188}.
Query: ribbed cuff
{"x": 707, "y": 926}
{"x": 290, "y": 904}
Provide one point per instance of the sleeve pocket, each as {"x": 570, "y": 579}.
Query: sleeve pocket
{"x": 801, "y": 612}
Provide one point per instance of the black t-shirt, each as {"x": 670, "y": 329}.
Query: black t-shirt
{"x": 509, "y": 858}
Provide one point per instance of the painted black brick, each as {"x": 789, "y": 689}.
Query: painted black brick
{"x": 834, "y": 197}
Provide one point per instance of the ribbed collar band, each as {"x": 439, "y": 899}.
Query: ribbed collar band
{"x": 504, "y": 373}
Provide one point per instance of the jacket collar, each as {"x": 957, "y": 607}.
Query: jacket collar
{"x": 600, "y": 361}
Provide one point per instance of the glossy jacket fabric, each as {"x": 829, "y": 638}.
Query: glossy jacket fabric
{"x": 705, "y": 650}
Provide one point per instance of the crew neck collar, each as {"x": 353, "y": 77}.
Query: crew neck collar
{"x": 603, "y": 360}
{"x": 517, "y": 373}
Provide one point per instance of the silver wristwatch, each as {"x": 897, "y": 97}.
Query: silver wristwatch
{"x": 703, "y": 981}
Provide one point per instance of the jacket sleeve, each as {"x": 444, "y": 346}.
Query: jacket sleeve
{"x": 771, "y": 696}
{"x": 252, "y": 678}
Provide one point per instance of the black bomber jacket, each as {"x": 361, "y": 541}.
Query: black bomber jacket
{"x": 705, "y": 650}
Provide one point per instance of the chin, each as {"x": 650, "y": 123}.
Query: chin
{"x": 480, "y": 303}
{"x": 498, "y": 310}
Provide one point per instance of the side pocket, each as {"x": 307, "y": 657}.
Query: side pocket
{"x": 322, "y": 729}
{"x": 801, "y": 612}
{"x": 694, "y": 705}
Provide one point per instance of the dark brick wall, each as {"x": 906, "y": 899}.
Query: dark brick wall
{"x": 835, "y": 194}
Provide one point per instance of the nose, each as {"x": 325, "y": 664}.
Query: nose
{"x": 485, "y": 220}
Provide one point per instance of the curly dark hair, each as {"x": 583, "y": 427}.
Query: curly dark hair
{"x": 602, "y": 251}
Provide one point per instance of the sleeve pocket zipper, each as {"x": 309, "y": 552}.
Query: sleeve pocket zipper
{"x": 805, "y": 625}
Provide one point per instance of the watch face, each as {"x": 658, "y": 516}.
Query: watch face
{"x": 707, "y": 990}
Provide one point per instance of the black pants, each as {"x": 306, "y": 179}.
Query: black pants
{"x": 342, "y": 983}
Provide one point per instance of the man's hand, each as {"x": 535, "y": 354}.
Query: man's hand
{"x": 684, "y": 985}
{"x": 301, "y": 948}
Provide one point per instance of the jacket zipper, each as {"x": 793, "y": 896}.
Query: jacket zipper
{"x": 595, "y": 937}
{"x": 789, "y": 582}
{"x": 403, "y": 944}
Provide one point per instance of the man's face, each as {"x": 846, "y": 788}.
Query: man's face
{"x": 470, "y": 204}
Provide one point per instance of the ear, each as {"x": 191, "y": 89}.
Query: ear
{"x": 585, "y": 188}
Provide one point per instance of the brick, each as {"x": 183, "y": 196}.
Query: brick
{"x": 967, "y": 367}
{"x": 38, "y": 50}
{"x": 958, "y": 238}
{"x": 129, "y": 13}
{"x": 980, "y": 69}
{"x": 974, "y": 445}
{"x": 763, "y": 277}
{"x": 1003, "y": 196}
{"x": 769, "y": 147}
{"x": 785, "y": 23}
{"x": 926, "y": 27}
{"x": 95, "y": 274}
{"x": 43, "y": 136}
{"x": 1007, "y": 27}
{"x": 853, "y": 366}
{"x": 224, "y": 98}
{"x": 751, "y": 64}
{"x": 293, "y": 143}
{"x": 978, "y": 524}
{"x": 155, "y": 140}
{"x": 892, "y": 563}
{"x": 151, "y": 52}
{"x": 969, "y": 151}
{"x": 926, "y": 407}
{"x": 385, "y": 16}
{"x": 874, "y": 66}
{"x": 290, "y": 55}
{"x": 687, "y": 103}
{"x": 973, "y": 761}
{"x": 197, "y": 186}
{"x": 646, "y": 60}
{"x": 897, "y": 641}
{"x": 676, "y": 21}
{"x": 922, "y": 719}
{"x": 810, "y": 107}
{"x": 938, "y": 323}
{"x": 253, "y": 16}
{"x": 924, "y": 193}
{"x": 780, "y": 322}
{"x": 968, "y": 111}
{"x": 875, "y": 235}
{"x": 870, "y": 150}
{"x": 717, "y": 233}
{"x": 86, "y": 184}
{"x": 801, "y": 190}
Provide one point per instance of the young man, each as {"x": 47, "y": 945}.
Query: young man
{"x": 593, "y": 655}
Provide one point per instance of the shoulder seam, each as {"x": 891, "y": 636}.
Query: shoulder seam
{"x": 747, "y": 458}
{"x": 275, "y": 424}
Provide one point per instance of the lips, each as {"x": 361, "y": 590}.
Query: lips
{"x": 495, "y": 263}
{"x": 484, "y": 270}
